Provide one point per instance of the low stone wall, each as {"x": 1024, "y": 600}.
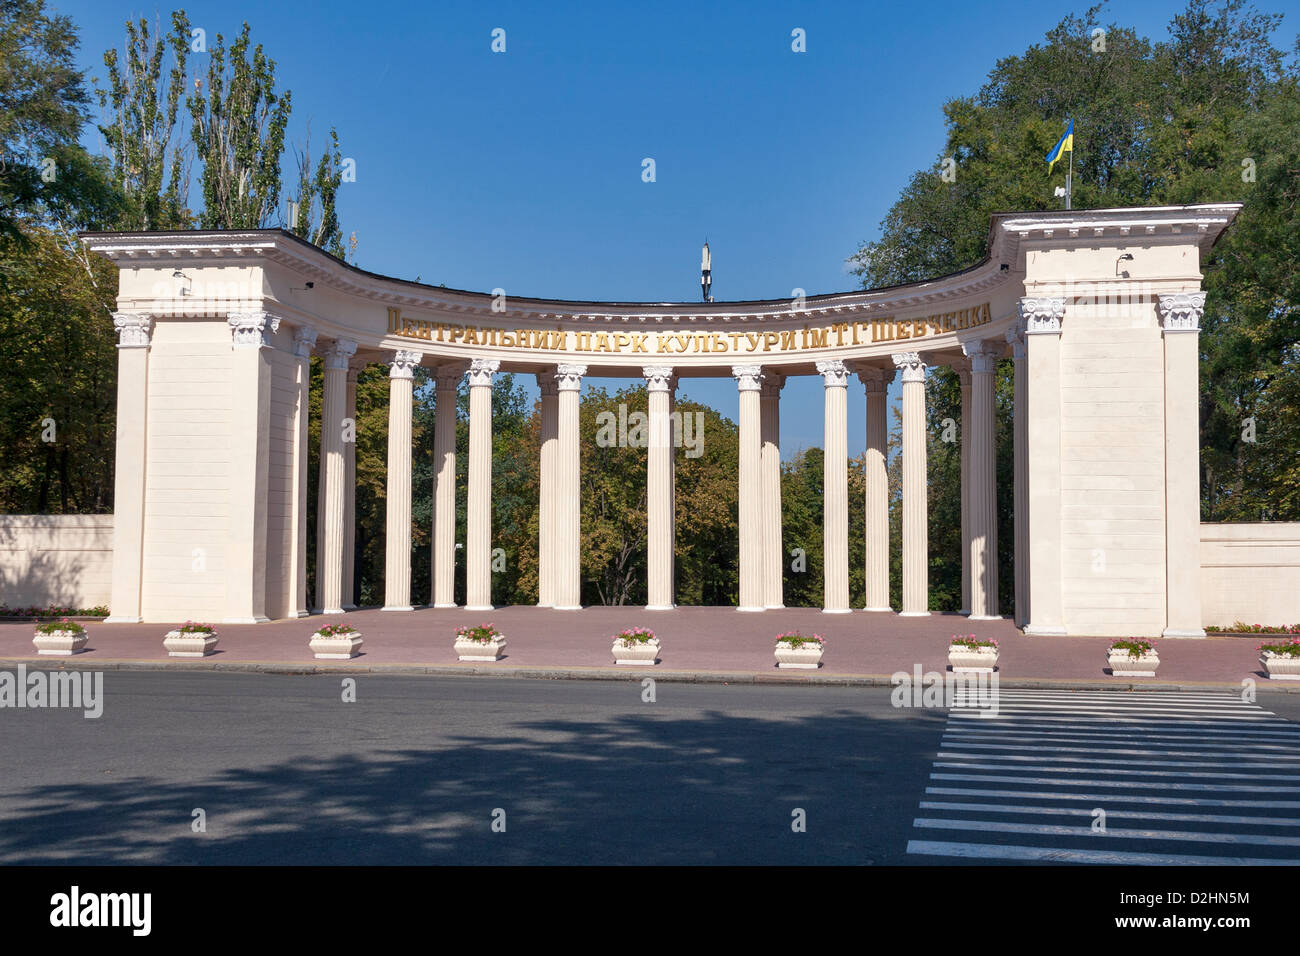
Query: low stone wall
{"x": 1250, "y": 573}
{"x": 66, "y": 560}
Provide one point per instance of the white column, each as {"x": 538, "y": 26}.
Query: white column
{"x": 1180, "y": 317}
{"x": 350, "y": 488}
{"x": 749, "y": 379}
{"x": 659, "y": 490}
{"x": 982, "y": 554}
{"x": 568, "y": 511}
{"x": 1020, "y": 477}
{"x": 133, "y": 335}
{"x": 446, "y": 378}
{"x": 550, "y": 440}
{"x": 963, "y": 376}
{"x": 773, "y": 548}
{"x": 877, "y": 481}
{"x": 304, "y": 339}
{"x": 397, "y": 537}
{"x": 478, "y": 546}
{"x": 329, "y": 539}
{"x": 916, "y": 544}
{"x": 835, "y": 488}
{"x": 1042, "y": 317}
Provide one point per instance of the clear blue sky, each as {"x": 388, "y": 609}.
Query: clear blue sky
{"x": 522, "y": 170}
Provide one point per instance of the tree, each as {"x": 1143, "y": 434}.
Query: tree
{"x": 320, "y": 226}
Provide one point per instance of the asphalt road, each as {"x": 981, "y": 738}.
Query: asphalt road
{"x": 417, "y": 770}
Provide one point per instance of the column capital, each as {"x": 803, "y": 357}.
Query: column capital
{"x": 983, "y": 355}
{"x": 447, "y": 377}
{"x": 568, "y": 378}
{"x": 912, "y": 366}
{"x": 772, "y": 384}
{"x": 304, "y": 340}
{"x": 659, "y": 378}
{"x": 1042, "y": 314}
{"x": 876, "y": 379}
{"x": 1016, "y": 339}
{"x": 834, "y": 374}
{"x": 1181, "y": 311}
{"x": 749, "y": 378}
{"x": 338, "y": 353}
{"x": 963, "y": 374}
{"x": 134, "y": 329}
{"x": 482, "y": 370}
{"x": 252, "y": 330}
{"x": 546, "y": 384}
{"x": 403, "y": 363}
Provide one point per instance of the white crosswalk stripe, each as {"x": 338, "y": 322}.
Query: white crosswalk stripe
{"x": 1195, "y": 778}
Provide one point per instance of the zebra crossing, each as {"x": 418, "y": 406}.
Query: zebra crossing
{"x": 1140, "y": 778}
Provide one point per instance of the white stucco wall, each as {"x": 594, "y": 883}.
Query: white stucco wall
{"x": 1250, "y": 573}
{"x": 66, "y": 560}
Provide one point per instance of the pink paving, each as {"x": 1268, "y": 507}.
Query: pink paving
{"x": 700, "y": 640}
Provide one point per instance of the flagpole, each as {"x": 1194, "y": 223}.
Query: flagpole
{"x": 1069, "y": 177}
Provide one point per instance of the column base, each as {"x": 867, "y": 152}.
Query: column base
{"x": 775, "y": 607}
{"x": 259, "y": 619}
{"x": 480, "y": 607}
{"x": 122, "y": 619}
{"x": 446, "y": 605}
{"x": 568, "y": 607}
{"x": 879, "y": 609}
{"x": 750, "y": 610}
{"x": 836, "y": 610}
{"x": 298, "y": 614}
{"x": 1044, "y": 630}
{"x": 332, "y": 610}
{"x": 396, "y": 607}
{"x": 349, "y": 607}
{"x": 1182, "y": 632}
{"x": 965, "y": 611}
{"x": 913, "y": 613}
{"x": 986, "y": 617}
{"x": 661, "y": 607}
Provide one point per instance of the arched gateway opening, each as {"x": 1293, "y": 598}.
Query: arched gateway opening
{"x": 1099, "y": 310}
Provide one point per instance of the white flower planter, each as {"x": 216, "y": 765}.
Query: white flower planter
{"x": 1280, "y": 667}
{"x": 635, "y": 653}
{"x": 1124, "y": 664}
{"x": 805, "y": 656}
{"x": 192, "y": 644}
{"x": 467, "y": 650}
{"x": 339, "y": 647}
{"x": 60, "y": 643}
{"x": 972, "y": 660}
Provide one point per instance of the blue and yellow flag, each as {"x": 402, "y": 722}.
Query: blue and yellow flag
{"x": 1064, "y": 145}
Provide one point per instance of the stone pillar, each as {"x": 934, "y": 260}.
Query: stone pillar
{"x": 749, "y": 380}
{"x": 350, "y": 489}
{"x": 133, "y": 334}
{"x": 478, "y": 546}
{"x": 546, "y": 490}
{"x": 397, "y": 536}
{"x": 963, "y": 376}
{"x": 1180, "y": 318}
{"x": 330, "y": 536}
{"x": 446, "y": 378}
{"x": 835, "y": 488}
{"x": 1020, "y": 477}
{"x": 1042, "y": 317}
{"x": 250, "y": 410}
{"x": 916, "y": 544}
{"x": 568, "y": 510}
{"x": 304, "y": 339}
{"x": 982, "y": 553}
{"x": 877, "y": 481}
{"x": 659, "y": 491}
{"x": 773, "y": 549}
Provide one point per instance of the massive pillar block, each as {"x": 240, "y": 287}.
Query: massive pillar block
{"x": 877, "y": 382}
{"x": 773, "y": 550}
{"x": 1180, "y": 320}
{"x": 1020, "y": 477}
{"x": 304, "y": 339}
{"x": 550, "y": 441}
{"x": 963, "y": 375}
{"x": 133, "y": 334}
{"x": 916, "y": 544}
{"x": 568, "y": 514}
{"x": 446, "y": 378}
{"x": 478, "y": 546}
{"x": 835, "y": 488}
{"x": 333, "y": 470}
{"x": 1042, "y": 317}
{"x": 397, "y": 537}
{"x": 659, "y": 490}
{"x": 350, "y": 488}
{"x": 982, "y": 552}
{"x": 749, "y": 380}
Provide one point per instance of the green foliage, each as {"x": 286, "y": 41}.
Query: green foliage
{"x": 319, "y": 226}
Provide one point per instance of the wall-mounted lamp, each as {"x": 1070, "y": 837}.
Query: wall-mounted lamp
{"x": 1126, "y": 256}
{"x": 184, "y": 290}
{"x": 307, "y": 287}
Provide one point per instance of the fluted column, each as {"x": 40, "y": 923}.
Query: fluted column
{"x": 550, "y": 441}
{"x": 982, "y": 555}
{"x": 835, "y": 488}
{"x": 350, "y": 489}
{"x": 397, "y": 537}
{"x": 134, "y": 331}
{"x": 916, "y": 544}
{"x": 304, "y": 339}
{"x": 963, "y": 376}
{"x": 568, "y": 512}
{"x": 773, "y": 548}
{"x": 877, "y": 481}
{"x": 1020, "y": 477}
{"x": 1180, "y": 318}
{"x": 446, "y": 378}
{"x": 749, "y": 380}
{"x": 329, "y": 553}
{"x": 659, "y": 490}
{"x": 1042, "y": 317}
{"x": 478, "y": 546}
